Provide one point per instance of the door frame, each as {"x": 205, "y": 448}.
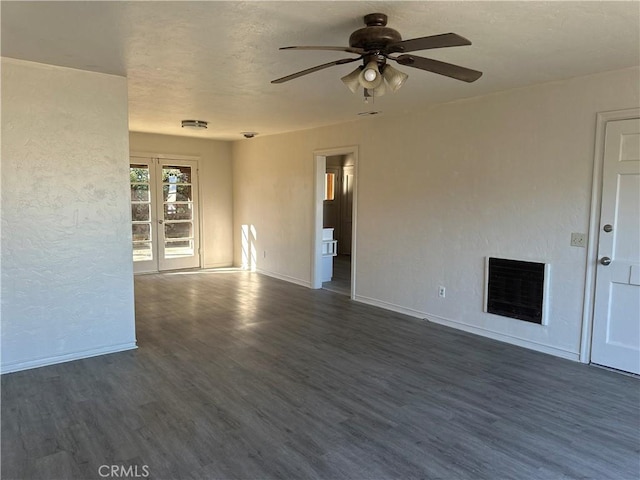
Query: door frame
{"x": 602, "y": 119}
{"x": 320, "y": 167}
{"x": 196, "y": 159}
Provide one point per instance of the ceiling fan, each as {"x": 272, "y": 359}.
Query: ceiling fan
{"x": 375, "y": 44}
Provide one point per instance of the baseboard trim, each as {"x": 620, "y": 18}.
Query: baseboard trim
{"x": 389, "y": 306}
{"x": 286, "y": 278}
{"x": 218, "y": 265}
{"x": 483, "y": 332}
{"x": 44, "y": 362}
{"x": 520, "y": 342}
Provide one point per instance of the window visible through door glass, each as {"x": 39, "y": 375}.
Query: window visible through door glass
{"x": 140, "y": 212}
{"x": 177, "y": 211}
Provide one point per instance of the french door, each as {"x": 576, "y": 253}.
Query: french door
{"x": 164, "y": 214}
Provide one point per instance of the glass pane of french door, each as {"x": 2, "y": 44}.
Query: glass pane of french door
{"x": 178, "y": 240}
{"x": 164, "y": 214}
{"x": 141, "y": 175}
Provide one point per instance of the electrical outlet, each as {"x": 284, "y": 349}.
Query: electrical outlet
{"x": 578, "y": 240}
{"x": 442, "y": 291}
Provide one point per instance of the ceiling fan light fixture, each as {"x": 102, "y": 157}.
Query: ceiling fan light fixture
{"x": 395, "y": 78}
{"x": 370, "y": 77}
{"x": 376, "y": 44}
{"x": 352, "y": 80}
{"x": 195, "y": 124}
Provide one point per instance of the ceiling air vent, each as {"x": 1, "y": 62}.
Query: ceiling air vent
{"x": 516, "y": 289}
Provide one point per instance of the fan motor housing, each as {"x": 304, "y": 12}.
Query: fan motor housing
{"x": 376, "y": 35}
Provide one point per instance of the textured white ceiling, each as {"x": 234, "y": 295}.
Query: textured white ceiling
{"x": 214, "y": 61}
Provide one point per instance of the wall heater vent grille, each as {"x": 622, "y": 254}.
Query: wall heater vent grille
{"x": 516, "y": 289}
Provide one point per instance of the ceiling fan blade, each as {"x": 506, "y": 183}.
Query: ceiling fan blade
{"x": 315, "y": 69}
{"x": 442, "y": 68}
{"x": 358, "y": 51}
{"x": 426, "y": 43}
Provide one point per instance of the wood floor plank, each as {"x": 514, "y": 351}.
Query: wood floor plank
{"x": 242, "y": 376}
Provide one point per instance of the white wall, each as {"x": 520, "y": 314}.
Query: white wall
{"x": 273, "y": 192}
{"x": 216, "y": 198}
{"x": 507, "y": 174}
{"x": 67, "y": 279}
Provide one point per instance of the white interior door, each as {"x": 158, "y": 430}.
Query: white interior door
{"x": 616, "y": 322}
{"x": 164, "y": 212}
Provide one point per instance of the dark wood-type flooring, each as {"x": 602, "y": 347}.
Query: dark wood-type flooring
{"x": 242, "y": 376}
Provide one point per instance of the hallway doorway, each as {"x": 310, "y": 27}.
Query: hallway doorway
{"x": 334, "y": 246}
{"x": 337, "y": 217}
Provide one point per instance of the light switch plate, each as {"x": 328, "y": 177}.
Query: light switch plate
{"x": 578, "y": 240}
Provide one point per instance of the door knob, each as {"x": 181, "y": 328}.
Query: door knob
{"x": 607, "y": 228}
{"x": 605, "y": 261}
{"x": 160, "y": 222}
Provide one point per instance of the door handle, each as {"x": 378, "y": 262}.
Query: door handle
{"x": 160, "y": 222}
{"x": 605, "y": 261}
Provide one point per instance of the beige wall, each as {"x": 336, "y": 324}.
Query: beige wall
{"x": 507, "y": 174}
{"x": 216, "y": 200}
{"x": 67, "y": 277}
